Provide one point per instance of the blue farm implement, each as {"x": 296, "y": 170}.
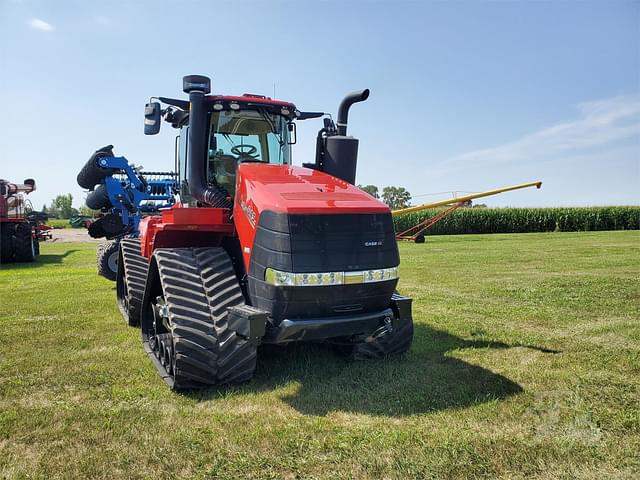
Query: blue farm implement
{"x": 124, "y": 195}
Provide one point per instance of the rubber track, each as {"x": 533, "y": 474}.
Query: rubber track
{"x": 236, "y": 356}
{"x": 99, "y": 198}
{"x": 135, "y": 276}
{"x": 102, "y": 259}
{"x": 199, "y": 284}
{"x": 394, "y": 343}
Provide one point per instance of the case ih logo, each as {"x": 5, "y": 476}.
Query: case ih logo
{"x": 248, "y": 211}
{"x": 374, "y": 243}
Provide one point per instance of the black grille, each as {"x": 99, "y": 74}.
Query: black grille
{"x": 322, "y": 243}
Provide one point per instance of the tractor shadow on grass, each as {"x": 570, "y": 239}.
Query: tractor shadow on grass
{"x": 318, "y": 381}
{"x": 41, "y": 260}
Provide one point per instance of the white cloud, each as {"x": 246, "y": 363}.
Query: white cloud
{"x": 41, "y": 25}
{"x": 602, "y": 123}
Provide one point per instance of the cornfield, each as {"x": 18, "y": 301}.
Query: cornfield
{"x": 525, "y": 220}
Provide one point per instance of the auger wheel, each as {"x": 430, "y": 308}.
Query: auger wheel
{"x": 184, "y": 319}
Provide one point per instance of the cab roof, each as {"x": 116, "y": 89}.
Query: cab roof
{"x": 249, "y": 98}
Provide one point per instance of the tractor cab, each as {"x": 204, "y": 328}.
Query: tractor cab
{"x": 249, "y": 135}
{"x": 238, "y": 129}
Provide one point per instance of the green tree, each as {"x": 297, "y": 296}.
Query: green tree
{"x": 62, "y": 206}
{"x": 396, "y": 197}
{"x": 370, "y": 189}
{"x": 87, "y": 212}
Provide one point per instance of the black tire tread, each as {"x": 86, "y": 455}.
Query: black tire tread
{"x": 23, "y": 242}
{"x": 105, "y": 250}
{"x": 199, "y": 284}
{"x": 7, "y": 233}
{"x": 91, "y": 173}
{"x": 394, "y": 343}
{"x": 134, "y": 269}
{"x": 98, "y": 198}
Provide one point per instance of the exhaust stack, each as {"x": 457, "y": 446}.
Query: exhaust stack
{"x": 345, "y": 105}
{"x": 337, "y": 153}
{"x": 197, "y": 86}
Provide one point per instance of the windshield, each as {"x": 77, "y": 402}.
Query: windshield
{"x": 245, "y": 136}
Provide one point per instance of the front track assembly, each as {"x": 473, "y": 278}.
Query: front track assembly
{"x": 185, "y": 324}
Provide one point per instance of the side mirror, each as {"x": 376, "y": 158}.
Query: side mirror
{"x": 293, "y": 133}
{"x": 152, "y": 118}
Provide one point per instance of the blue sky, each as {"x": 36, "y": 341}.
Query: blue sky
{"x": 465, "y": 96}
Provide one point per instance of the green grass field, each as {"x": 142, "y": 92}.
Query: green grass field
{"x": 525, "y": 363}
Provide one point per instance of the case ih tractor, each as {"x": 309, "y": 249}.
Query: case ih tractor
{"x": 256, "y": 250}
{"x": 18, "y": 240}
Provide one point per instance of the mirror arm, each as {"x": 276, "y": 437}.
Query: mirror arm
{"x": 183, "y": 104}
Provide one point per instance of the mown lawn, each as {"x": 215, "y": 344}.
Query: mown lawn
{"x": 526, "y": 363}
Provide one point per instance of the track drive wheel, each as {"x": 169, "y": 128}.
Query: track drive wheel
{"x": 107, "y": 259}
{"x": 130, "y": 279}
{"x": 25, "y": 244}
{"x": 184, "y": 319}
{"x": 7, "y": 233}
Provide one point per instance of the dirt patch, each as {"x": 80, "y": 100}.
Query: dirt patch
{"x": 73, "y": 235}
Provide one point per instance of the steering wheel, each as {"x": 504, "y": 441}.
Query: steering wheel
{"x": 245, "y": 152}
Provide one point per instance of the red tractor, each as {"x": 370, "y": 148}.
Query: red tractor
{"x": 18, "y": 239}
{"x": 256, "y": 250}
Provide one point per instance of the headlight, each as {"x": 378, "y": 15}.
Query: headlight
{"x": 289, "y": 279}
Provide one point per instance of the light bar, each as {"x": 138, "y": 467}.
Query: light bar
{"x": 288, "y": 279}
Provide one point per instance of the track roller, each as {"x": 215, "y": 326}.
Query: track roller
{"x": 187, "y": 295}
{"x": 130, "y": 280}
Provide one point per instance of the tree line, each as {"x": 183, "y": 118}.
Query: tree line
{"x": 62, "y": 207}
{"x": 395, "y": 197}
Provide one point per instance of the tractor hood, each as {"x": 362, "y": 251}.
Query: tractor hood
{"x": 291, "y": 189}
{"x": 294, "y": 219}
